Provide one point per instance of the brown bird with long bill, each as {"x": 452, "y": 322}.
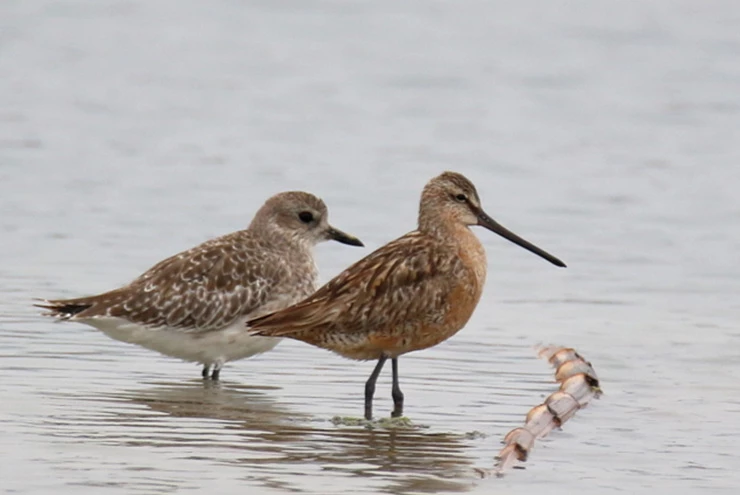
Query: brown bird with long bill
{"x": 411, "y": 294}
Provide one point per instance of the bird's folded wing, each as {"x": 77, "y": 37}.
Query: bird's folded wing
{"x": 202, "y": 289}
{"x": 407, "y": 279}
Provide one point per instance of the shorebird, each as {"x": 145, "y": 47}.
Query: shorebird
{"x": 408, "y": 295}
{"x": 193, "y": 305}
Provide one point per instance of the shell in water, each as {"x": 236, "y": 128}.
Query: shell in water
{"x": 578, "y": 385}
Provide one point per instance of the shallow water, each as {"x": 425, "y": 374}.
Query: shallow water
{"x": 606, "y": 134}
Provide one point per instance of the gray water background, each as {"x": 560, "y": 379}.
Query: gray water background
{"x": 606, "y": 132}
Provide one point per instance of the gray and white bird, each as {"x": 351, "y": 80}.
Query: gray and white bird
{"x": 193, "y": 305}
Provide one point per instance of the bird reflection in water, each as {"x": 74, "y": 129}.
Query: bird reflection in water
{"x": 276, "y": 443}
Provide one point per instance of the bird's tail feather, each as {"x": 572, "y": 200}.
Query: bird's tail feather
{"x": 64, "y": 309}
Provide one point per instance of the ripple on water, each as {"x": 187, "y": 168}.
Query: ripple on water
{"x": 239, "y": 426}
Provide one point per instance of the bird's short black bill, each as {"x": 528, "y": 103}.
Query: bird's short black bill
{"x": 485, "y": 221}
{"x": 343, "y": 237}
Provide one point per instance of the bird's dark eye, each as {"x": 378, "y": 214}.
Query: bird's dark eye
{"x": 461, "y": 198}
{"x": 306, "y": 216}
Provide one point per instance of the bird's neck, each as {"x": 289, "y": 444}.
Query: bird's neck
{"x": 442, "y": 227}
{"x": 471, "y": 250}
{"x": 284, "y": 237}
{"x": 459, "y": 238}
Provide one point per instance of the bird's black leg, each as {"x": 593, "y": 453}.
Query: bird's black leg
{"x": 216, "y": 372}
{"x": 370, "y": 387}
{"x": 396, "y": 392}
{"x": 205, "y": 372}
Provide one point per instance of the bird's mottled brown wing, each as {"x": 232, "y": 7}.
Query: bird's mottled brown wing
{"x": 204, "y": 288}
{"x": 407, "y": 280}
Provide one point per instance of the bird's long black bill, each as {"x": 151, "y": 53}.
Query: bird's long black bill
{"x": 485, "y": 221}
{"x": 343, "y": 237}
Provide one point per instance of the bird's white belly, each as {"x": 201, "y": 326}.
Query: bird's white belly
{"x": 216, "y": 346}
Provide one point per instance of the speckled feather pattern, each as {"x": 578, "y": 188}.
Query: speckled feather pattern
{"x": 209, "y": 286}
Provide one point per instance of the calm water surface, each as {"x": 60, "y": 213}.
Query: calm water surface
{"x": 607, "y": 134}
